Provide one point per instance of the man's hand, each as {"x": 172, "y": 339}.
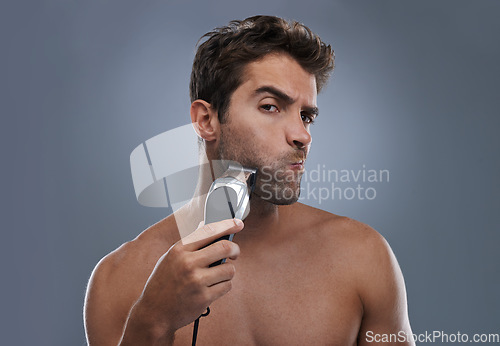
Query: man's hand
{"x": 182, "y": 286}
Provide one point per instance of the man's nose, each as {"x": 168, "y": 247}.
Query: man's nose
{"x": 298, "y": 135}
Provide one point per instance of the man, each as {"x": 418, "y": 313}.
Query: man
{"x": 295, "y": 275}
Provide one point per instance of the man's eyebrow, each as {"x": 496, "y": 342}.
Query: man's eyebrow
{"x": 285, "y": 98}
{"x": 311, "y": 110}
{"x": 277, "y": 93}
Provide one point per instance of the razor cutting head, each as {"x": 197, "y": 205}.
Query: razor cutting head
{"x": 229, "y": 195}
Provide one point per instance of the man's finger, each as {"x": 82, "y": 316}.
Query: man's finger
{"x": 216, "y": 275}
{"x": 210, "y": 232}
{"x": 217, "y": 251}
{"x": 218, "y": 290}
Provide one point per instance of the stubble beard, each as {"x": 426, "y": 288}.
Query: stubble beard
{"x": 276, "y": 183}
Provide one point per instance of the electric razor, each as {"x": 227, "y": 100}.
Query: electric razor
{"x": 229, "y": 198}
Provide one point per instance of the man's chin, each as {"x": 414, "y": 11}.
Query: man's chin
{"x": 279, "y": 195}
{"x": 284, "y": 201}
{"x": 279, "y": 201}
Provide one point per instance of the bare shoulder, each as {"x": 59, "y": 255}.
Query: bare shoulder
{"x": 118, "y": 279}
{"x": 371, "y": 266}
{"x": 354, "y": 234}
{"x": 363, "y": 249}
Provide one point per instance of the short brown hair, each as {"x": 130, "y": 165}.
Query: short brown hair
{"x": 220, "y": 60}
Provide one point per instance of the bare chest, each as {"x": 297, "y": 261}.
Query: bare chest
{"x": 282, "y": 303}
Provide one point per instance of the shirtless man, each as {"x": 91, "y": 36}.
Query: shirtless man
{"x": 295, "y": 275}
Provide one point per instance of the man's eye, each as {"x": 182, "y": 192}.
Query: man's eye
{"x": 269, "y": 108}
{"x": 307, "y": 119}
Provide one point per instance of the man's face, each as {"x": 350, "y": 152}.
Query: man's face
{"x": 267, "y": 125}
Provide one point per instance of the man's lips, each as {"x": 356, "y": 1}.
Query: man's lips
{"x": 297, "y": 164}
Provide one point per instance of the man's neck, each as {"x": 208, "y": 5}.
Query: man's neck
{"x": 262, "y": 213}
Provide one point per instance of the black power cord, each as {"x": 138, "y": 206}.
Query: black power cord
{"x": 196, "y": 323}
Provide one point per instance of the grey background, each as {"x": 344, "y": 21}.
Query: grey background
{"x": 415, "y": 91}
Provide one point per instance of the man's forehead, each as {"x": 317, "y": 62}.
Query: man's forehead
{"x": 283, "y": 73}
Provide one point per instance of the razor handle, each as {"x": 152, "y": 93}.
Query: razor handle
{"x": 220, "y": 205}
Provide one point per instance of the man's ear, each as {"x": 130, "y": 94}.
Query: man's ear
{"x": 205, "y": 120}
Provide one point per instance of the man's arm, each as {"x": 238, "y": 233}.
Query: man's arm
{"x": 113, "y": 288}
{"x": 129, "y": 303}
{"x": 383, "y": 295}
